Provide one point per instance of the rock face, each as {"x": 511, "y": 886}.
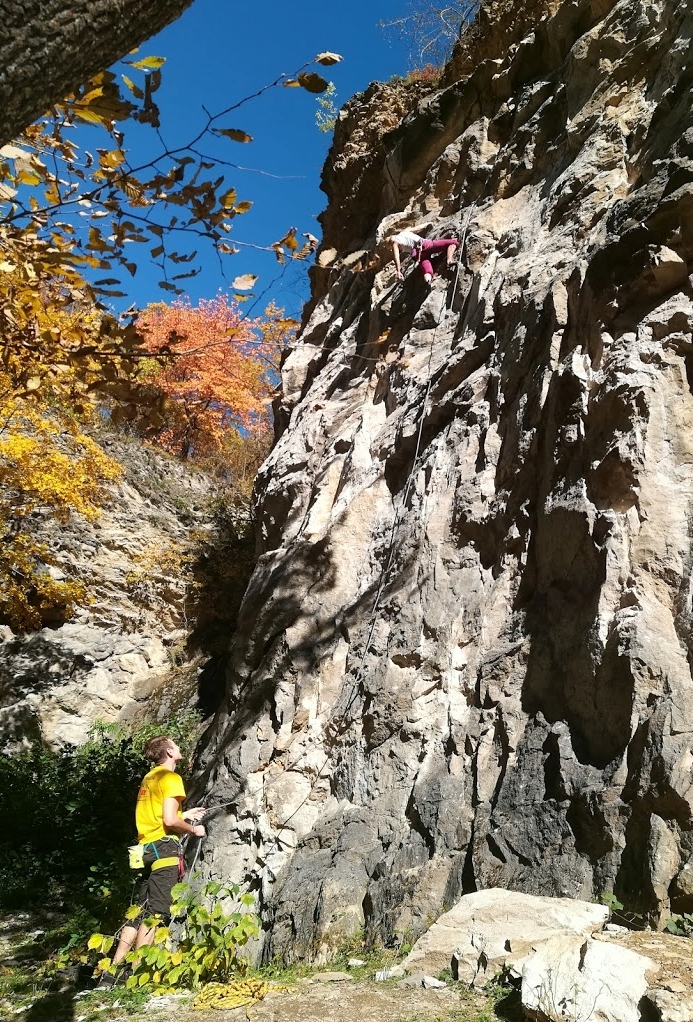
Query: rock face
{"x": 463, "y": 660}
{"x": 122, "y": 653}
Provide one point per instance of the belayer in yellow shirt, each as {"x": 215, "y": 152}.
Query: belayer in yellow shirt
{"x": 160, "y": 823}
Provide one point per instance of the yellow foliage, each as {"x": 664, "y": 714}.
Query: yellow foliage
{"x": 48, "y": 468}
{"x": 56, "y": 342}
{"x": 59, "y": 352}
{"x": 171, "y": 559}
{"x": 28, "y": 594}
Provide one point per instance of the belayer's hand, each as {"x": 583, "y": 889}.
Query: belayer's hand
{"x": 199, "y": 830}
{"x": 194, "y": 814}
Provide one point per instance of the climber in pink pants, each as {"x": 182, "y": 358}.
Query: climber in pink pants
{"x": 420, "y": 247}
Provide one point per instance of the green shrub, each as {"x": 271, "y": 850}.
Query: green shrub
{"x": 69, "y": 817}
{"x": 681, "y": 925}
{"x": 204, "y": 952}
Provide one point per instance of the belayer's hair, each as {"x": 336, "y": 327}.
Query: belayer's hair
{"x": 156, "y": 749}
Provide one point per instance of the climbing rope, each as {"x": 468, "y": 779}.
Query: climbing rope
{"x": 239, "y": 993}
{"x": 410, "y": 477}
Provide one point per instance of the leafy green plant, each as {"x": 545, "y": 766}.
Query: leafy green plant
{"x": 207, "y": 949}
{"x": 327, "y": 112}
{"x": 682, "y": 925}
{"x": 619, "y": 914}
{"x": 609, "y": 899}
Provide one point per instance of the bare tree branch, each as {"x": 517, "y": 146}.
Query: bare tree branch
{"x": 432, "y": 28}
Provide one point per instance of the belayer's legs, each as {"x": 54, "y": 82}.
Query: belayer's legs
{"x": 159, "y": 901}
{"x": 127, "y": 940}
{"x": 128, "y": 934}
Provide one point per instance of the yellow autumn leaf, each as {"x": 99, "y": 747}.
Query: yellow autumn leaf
{"x": 134, "y": 89}
{"x": 112, "y": 160}
{"x": 28, "y": 177}
{"x": 148, "y": 63}
{"x": 234, "y": 133}
{"x": 91, "y": 116}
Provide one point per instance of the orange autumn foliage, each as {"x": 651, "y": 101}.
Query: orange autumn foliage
{"x": 216, "y": 374}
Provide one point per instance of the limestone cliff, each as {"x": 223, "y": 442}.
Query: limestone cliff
{"x": 122, "y": 654}
{"x": 464, "y": 657}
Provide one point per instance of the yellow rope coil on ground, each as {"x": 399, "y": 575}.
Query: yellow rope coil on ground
{"x": 240, "y": 993}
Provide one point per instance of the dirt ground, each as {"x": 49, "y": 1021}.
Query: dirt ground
{"x": 308, "y": 1001}
{"x": 361, "y": 1000}
{"x": 313, "y": 999}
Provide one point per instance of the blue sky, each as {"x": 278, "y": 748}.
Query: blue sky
{"x": 219, "y": 52}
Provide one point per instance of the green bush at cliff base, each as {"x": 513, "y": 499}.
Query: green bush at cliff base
{"x": 682, "y": 925}
{"x": 68, "y": 819}
{"x": 205, "y": 950}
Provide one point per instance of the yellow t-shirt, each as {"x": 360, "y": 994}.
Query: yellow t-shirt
{"x": 158, "y": 784}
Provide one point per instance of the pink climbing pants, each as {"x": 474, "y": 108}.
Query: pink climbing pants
{"x": 432, "y": 247}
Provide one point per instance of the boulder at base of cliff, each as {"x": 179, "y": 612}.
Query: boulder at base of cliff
{"x": 491, "y": 930}
{"x": 611, "y": 977}
{"x": 571, "y": 965}
{"x": 576, "y": 978}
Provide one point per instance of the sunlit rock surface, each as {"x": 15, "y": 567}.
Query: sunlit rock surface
{"x": 122, "y": 656}
{"x": 463, "y": 660}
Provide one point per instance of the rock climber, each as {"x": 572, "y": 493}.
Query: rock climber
{"x": 420, "y": 249}
{"x": 160, "y": 824}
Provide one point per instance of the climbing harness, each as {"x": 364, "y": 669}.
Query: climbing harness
{"x": 136, "y": 857}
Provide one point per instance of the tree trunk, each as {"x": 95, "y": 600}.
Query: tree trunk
{"x": 49, "y": 47}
